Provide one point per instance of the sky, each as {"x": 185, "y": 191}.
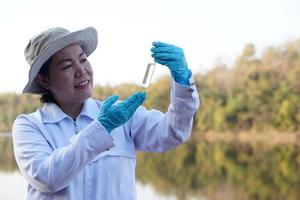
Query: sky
{"x": 209, "y": 31}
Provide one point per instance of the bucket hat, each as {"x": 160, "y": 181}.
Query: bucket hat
{"x": 45, "y": 44}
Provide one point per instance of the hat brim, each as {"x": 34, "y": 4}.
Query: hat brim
{"x": 86, "y": 38}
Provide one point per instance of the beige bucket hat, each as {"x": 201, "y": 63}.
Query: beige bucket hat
{"x": 44, "y": 45}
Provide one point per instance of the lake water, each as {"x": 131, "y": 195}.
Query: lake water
{"x": 13, "y": 186}
{"x": 216, "y": 170}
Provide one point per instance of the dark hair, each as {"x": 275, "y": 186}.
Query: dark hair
{"x": 46, "y": 97}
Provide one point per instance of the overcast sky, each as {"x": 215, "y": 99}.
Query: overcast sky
{"x": 208, "y": 31}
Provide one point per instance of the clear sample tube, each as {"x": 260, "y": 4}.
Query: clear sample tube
{"x": 148, "y": 75}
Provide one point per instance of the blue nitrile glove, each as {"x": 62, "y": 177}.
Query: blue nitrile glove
{"x": 173, "y": 57}
{"x": 113, "y": 115}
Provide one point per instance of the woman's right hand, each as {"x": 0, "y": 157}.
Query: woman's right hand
{"x": 113, "y": 115}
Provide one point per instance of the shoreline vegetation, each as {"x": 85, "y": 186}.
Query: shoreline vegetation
{"x": 246, "y": 134}
{"x": 244, "y": 138}
{"x": 252, "y": 138}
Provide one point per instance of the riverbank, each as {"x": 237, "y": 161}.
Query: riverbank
{"x": 243, "y": 137}
{"x": 252, "y": 138}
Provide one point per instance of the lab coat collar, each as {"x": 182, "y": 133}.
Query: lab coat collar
{"x": 52, "y": 113}
{"x": 90, "y": 109}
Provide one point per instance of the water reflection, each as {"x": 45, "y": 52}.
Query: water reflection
{"x": 13, "y": 185}
{"x": 218, "y": 170}
{"x": 222, "y": 170}
{"x": 7, "y": 160}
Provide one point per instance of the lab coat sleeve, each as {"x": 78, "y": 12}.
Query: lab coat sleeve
{"x": 50, "y": 170}
{"x": 156, "y": 131}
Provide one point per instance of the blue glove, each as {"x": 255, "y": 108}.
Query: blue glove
{"x": 113, "y": 115}
{"x": 173, "y": 57}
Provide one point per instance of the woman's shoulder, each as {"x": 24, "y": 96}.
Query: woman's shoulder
{"x": 33, "y": 116}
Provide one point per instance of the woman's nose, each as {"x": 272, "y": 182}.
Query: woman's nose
{"x": 80, "y": 70}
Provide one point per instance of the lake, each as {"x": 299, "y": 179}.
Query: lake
{"x": 230, "y": 170}
{"x": 13, "y": 186}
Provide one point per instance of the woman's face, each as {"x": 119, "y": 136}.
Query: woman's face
{"x": 70, "y": 76}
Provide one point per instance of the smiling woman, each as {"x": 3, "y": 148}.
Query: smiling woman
{"x": 68, "y": 78}
{"x": 76, "y": 147}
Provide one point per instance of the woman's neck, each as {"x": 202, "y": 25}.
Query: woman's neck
{"x": 72, "y": 110}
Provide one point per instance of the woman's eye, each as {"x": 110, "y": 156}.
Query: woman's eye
{"x": 83, "y": 60}
{"x": 66, "y": 67}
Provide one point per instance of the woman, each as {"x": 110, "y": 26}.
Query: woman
{"x": 76, "y": 147}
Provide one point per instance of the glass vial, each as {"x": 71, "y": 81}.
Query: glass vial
{"x": 148, "y": 75}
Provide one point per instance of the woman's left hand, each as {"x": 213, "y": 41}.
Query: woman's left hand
{"x": 113, "y": 115}
{"x": 173, "y": 57}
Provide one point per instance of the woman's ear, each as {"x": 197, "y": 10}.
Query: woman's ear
{"x": 42, "y": 81}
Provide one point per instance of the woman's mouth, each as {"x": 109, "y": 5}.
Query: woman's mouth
{"x": 82, "y": 84}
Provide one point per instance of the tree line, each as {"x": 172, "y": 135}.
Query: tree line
{"x": 257, "y": 93}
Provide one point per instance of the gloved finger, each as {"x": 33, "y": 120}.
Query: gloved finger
{"x": 117, "y": 119}
{"x": 167, "y": 56}
{"x": 162, "y": 44}
{"x": 172, "y": 65}
{"x": 109, "y": 101}
{"x": 140, "y": 98}
{"x": 165, "y": 50}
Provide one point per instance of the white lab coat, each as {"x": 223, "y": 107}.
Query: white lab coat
{"x": 65, "y": 159}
